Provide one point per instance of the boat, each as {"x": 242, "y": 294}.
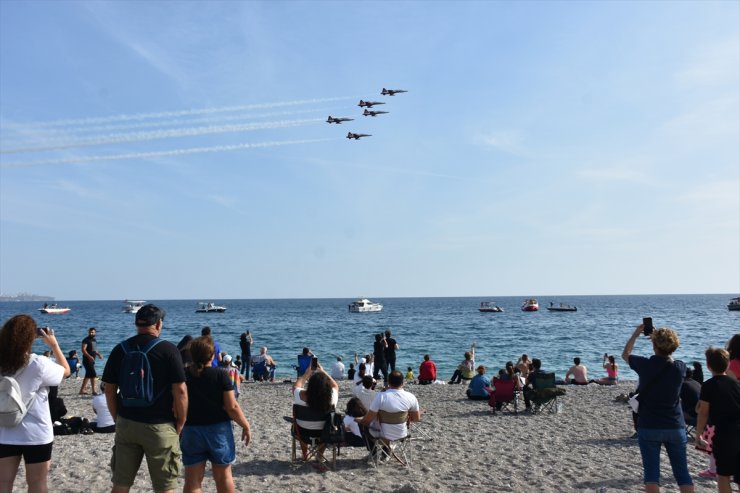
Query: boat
{"x": 734, "y": 304}
{"x": 562, "y": 307}
{"x": 530, "y": 305}
{"x": 132, "y": 306}
{"x": 364, "y": 305}
{"x": 54, "y": 309}
{"x": 489, "y": 307}
{"x": 209, "y": 308}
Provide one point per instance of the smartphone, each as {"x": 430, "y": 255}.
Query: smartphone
{"x": 647, "y": 323}
{"x": 40, "y": 331}
{"x": 314, "y": 363}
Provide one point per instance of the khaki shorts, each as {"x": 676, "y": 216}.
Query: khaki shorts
{"x": 161, "y": 445}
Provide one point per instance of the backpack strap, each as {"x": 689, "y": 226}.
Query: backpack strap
{"x": 147, "y": 347}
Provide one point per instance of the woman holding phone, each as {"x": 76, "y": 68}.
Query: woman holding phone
{"x": 33, "y": 437}
{"x": 660, "y": 420}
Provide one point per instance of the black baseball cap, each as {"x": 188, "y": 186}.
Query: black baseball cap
{"x": 149, "y": 315}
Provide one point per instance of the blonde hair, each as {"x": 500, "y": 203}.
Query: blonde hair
{"x": 665, "y": 341}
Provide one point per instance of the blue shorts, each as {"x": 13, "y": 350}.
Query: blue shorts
{"x": 215, "y": 443}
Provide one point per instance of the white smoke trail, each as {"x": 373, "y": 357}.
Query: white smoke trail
{"x": 153, "y": 154}
{"x": 166, "y": 123}
{"x": 59, "y": 145}
{"x": 175, "y": 114}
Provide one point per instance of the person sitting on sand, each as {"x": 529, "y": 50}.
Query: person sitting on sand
{"x": 612, "y": 371}
{"x": 364, "y": 391}
{"x": 466, "y": 369}
{"x": 104, "y": 422}
{"x": 409, "y": 375}
{"x": 337, "y": 370}
{"x": 579, "y": 372}
{"x": 351, "y": 372}
{"x": 427, "y": 371}
{"x": 480, "y": 386}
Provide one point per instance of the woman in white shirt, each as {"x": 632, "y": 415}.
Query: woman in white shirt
{"x": 105, "y": 422}
{"x": 32, "y": 438}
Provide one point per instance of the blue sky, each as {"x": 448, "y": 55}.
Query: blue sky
{"x": 164, "y": 150}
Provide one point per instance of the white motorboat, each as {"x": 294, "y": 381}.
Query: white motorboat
{"x": 562, "y": 307}
{"x": 132, "y": 306}
{"x": 364, "y": 305}
{"x": 530, "y": 305}
{"x": 489, "y": 307}
{"x": 209, "y": 308}
{"x": 54, "y": 309}
{"x": 734, "y": 304}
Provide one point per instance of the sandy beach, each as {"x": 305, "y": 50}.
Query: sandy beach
{"x": 584, "y": 447}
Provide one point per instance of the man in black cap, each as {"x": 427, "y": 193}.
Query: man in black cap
{"x": 146, "y": 424}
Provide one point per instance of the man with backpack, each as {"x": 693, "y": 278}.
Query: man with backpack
{"x": 151, "y": 407}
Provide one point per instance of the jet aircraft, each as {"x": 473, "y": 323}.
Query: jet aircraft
{"x": 369, "y": 104}
{"x": 373, "y": 113}
{"x": 350, "y": 135}
{"x": 391, "y": 92}
{"x": 338, "y": 120}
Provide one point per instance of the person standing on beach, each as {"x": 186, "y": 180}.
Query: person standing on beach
{"x": 660, "y": 421}
{"x": 217, "y": 357}
{"x": 719, "y": 402}
{"x": 245, "y": 344}
{"x": 390, "y": 352}
{"x": 31, "y": 438}
{"x": 153, "y": 429}
{"x": 89, "y": 353}
{"x": 379, "y": 348}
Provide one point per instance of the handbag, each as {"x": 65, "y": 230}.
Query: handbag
{"x": 333, "y": 429}
{"x": 634, "y": 401}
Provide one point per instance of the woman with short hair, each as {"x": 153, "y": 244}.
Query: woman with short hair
{"x": 207, "y": 435}
{"x": 31, "y": 438}
{"x": 660, "y": 420}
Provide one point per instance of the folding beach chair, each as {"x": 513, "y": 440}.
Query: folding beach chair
{"x": 545, "y": 394}
{"x": 385, "y": 448}
{"x": 311, "y": 446}
{"x": 690, "y": 422}
{"x": 505, "y": 395}
{"x": 260, "y": 371}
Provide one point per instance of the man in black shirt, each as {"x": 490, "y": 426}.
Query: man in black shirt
{"x": 152, "y": 430}
{"x": 390, "y": 351}
{"x": 89, "y": 353}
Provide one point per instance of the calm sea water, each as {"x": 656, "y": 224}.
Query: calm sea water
{"x": 442, "y": 327}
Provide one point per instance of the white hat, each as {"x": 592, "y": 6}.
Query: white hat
{"x": 227, "y": 359}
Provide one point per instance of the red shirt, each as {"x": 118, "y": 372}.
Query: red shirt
{"x": 428, "y": 371}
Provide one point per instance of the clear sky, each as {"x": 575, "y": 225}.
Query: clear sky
{"x": 161, "y": 150}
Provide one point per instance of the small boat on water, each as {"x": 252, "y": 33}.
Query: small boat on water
{"x": 530, "y": 305}
{"x": 54, "y": 309}
{"x": 132, "y": 306}
{"x": 562, "y": 307}
{"x": 489, "y": 307}
{"x": 209, "y": 308}
{"x": 734, "y": 305}
{"x": 364, "y": 305}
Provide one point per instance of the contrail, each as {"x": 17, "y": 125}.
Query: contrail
{"x": 59, "y": 145}
{"x": 171, "y": 114}
{"x": 173, "y": 152}
{"x": 162, "y": 123}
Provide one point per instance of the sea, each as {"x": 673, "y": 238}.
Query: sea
{"x": 444, "y": 328}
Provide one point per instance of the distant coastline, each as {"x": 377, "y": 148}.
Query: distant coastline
{"x": 24, "y": 297}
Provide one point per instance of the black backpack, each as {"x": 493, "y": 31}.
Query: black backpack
{"x": 333, "y": 429}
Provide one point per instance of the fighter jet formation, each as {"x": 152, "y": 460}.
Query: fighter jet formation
{"x": 338, "y": 120}
{"x": 366, "y": 112}
{"x": 391, "y": 92}
{"x": 373, "y": 113}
